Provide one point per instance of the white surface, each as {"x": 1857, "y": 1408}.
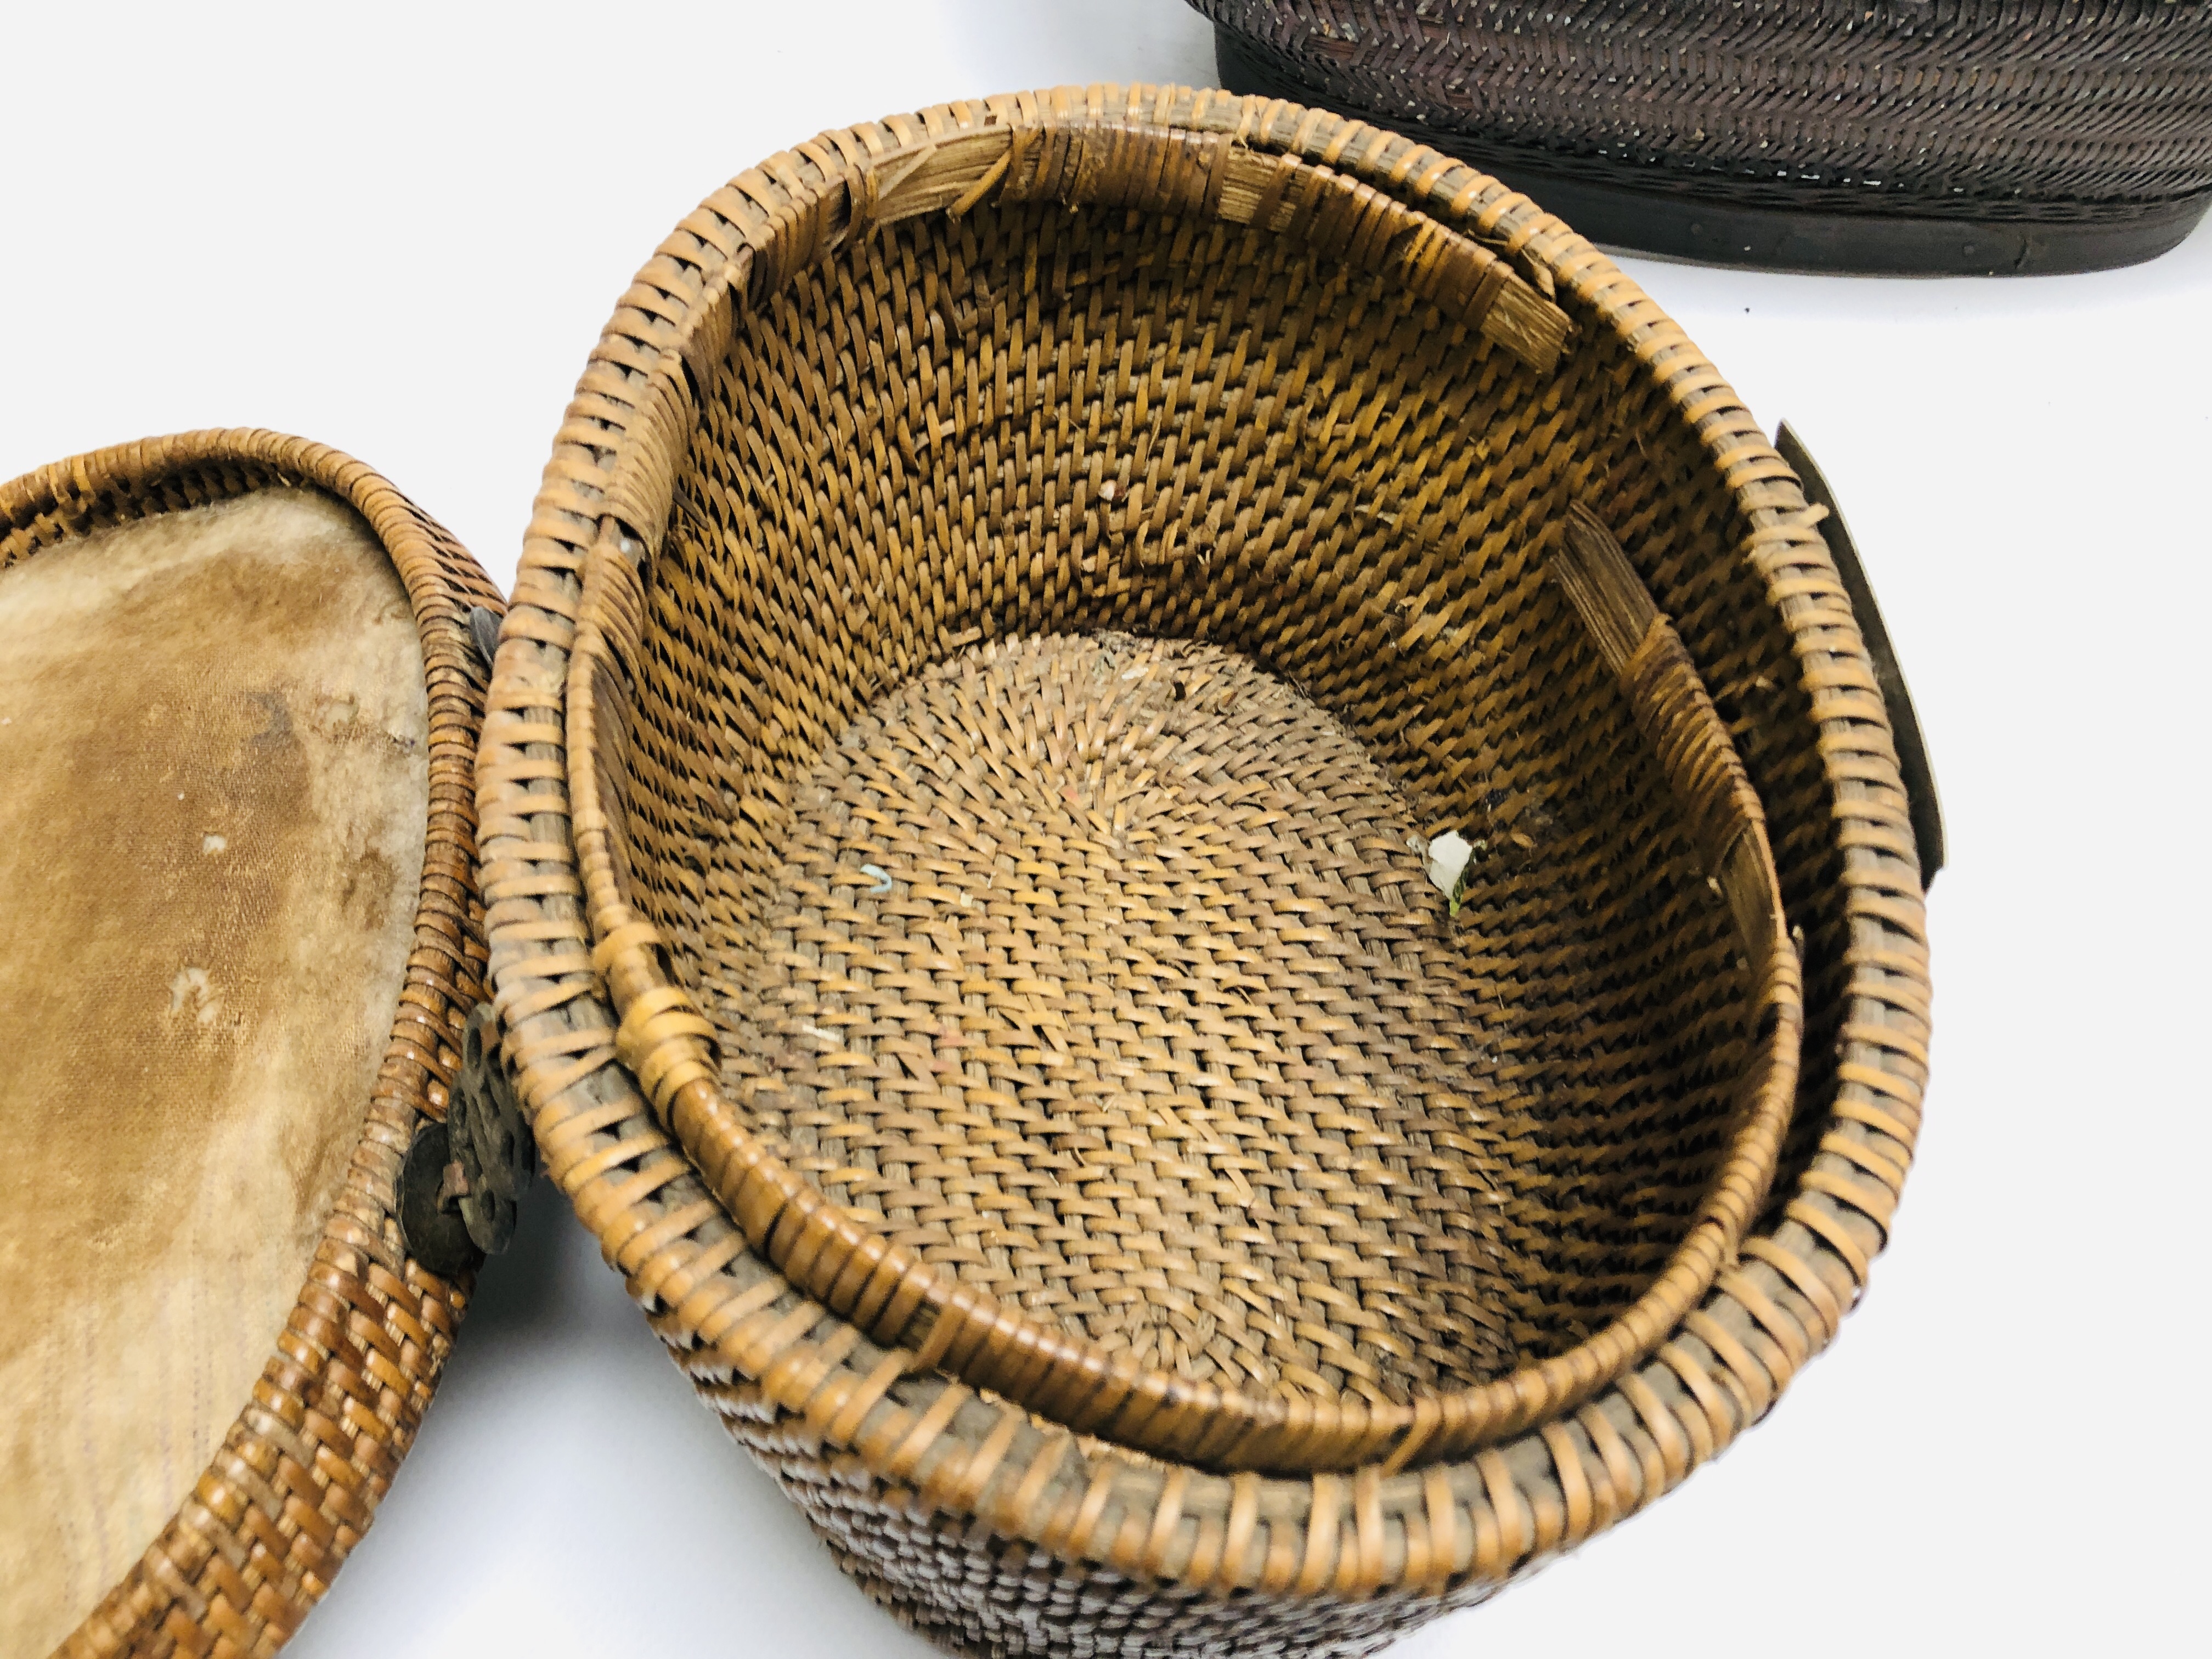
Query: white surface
{"x": 399, "y": 231}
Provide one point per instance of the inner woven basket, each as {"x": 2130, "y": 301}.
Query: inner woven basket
{"x": 1194, "y": 1060}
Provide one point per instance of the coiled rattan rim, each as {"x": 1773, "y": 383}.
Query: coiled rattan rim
{"x": 878, "y": 1411}
{"x": 299, "y": 1474}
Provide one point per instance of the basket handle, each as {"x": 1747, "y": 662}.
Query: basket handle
{"x": 1923, "y": 807}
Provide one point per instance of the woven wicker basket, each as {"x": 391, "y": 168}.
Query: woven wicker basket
{"x": 223, "y": 766}
{"x": 1021, "y": 591}
{"x": 1916, "y": 136}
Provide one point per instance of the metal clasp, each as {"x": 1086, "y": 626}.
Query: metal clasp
{"x": 1922, "y": 805}
{"x": 462, "y": 1184}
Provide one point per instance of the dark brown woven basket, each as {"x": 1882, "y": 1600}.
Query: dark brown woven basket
{"x": 1901, "y": 136}
{"x": 216, "y": 1527}
{"x": 1012, "y": 581}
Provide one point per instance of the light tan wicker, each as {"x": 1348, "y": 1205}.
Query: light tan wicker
{"x": 239, "y": 702}
{"x": 1012, "y": 585}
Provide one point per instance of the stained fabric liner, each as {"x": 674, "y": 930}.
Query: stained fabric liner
{"x": 211, "y": 845}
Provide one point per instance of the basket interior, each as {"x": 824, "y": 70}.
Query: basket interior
{"x": 966, "y": 446}
{"x": 213, "y": 729}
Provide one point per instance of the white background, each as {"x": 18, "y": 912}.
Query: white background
{"x": 398, "y": 229}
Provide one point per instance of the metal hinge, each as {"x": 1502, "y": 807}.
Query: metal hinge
{"x": 1922, "y": 804}
{"x": 463, "y": 1182}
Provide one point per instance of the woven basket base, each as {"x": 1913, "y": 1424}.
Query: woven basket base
{"x": 1628, "y": 205}
{"x": 1101, "y": 970}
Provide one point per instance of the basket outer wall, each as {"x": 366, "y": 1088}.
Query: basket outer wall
{"x": 1894, "y": 137}
{"x": 2049, "y": 109}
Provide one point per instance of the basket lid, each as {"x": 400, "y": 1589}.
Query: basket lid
{"x": 239, "y": 698}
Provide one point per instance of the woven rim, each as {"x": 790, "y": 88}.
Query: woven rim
{"x": 299, "y": 1473}
{"x": 1718, "y": 1367}
{"x": 845, "y": 1261}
